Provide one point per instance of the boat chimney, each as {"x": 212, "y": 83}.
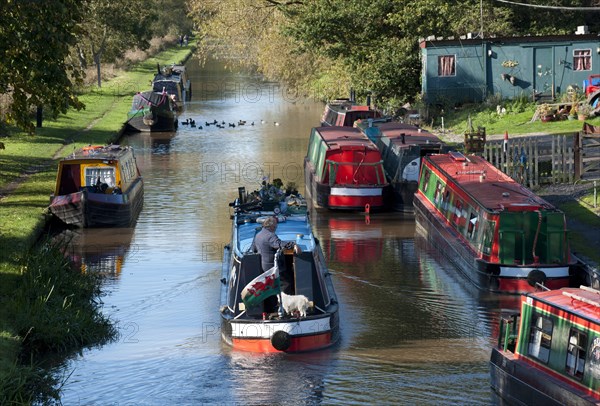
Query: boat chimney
{"x": 352, "y": 96}
{"x": 242, "y": 194}
{"x": 403, "y": 138}
{"x": 158, "y": 67}
{"x": 369, "y": 99}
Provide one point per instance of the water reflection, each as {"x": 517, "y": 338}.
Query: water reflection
{"x": 98, "y": 250}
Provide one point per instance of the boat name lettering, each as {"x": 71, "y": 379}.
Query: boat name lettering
{"x": 470, "y": 172}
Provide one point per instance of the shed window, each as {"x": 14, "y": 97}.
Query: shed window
{"x": 540, "y": 337}
{"x": 446, "y": 65}
{"x": 582, "y": 59}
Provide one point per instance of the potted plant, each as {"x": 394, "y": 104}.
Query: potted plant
{"x": 583, "y": 111}
{"x": 546, "y": 112}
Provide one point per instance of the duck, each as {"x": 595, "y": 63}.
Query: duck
{"x": 193, "y": 123}
{"x": 275, "y": 123}
{"x": 232, "y": 125}
{"x": 186, "y": 122}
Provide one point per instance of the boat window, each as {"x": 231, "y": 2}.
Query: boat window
{"x": 439, "y": 190}
{"x": 540, "y": 337}
{"x": 426, "y": 176}
{"x": 473, "y": 225}
{"x": 576, "y": 353}
{"x": 100, "y": 174}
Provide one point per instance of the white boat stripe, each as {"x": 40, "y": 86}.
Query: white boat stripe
{"x": 558, "y": 272}
{"x": 348, "y": 191}
{"x": 266, "y": 330}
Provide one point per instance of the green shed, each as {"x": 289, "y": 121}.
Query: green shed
{"x": 468, "y": 70}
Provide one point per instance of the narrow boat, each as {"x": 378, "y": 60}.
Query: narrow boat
{"x": 344, "y": 112}
{"x": 173, "y": 80}
{"x": 401, "y": 146}
{"x": 501, "y": 235}
{"x": 98, "y": 186}
{"x": 549, "y": 354}
{"x": 343, "y": 170}
{"x": 265, "y": 326}
{"x": 152, "y": 111}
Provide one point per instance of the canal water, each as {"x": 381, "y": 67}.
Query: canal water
{"x": 412, "y": 330}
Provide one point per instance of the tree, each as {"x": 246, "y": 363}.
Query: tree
{"x": 34, "y": 43}
{"x": 111, "y": 28}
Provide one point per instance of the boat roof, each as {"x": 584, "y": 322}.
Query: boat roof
{"x": 344, "y": 105}
{"x": 289, "y": 228}
{"x": 99, "y": 153}
{"x": 413, "y": 135}
{"x": 583, "y": 302}
{"x": 486, "y": 184}
{"x": 346, "y": 137}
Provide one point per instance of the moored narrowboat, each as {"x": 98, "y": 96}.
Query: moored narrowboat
{"x": 549, "y": 354}
{"x": 344, "y": 112}
{"x": 401, "y": 146}
{"x": 343, "y": 170}
{"x": 173, "y": 80}
{"x": 263, "y": 325}
{"x": 98, "y": 186}
{"x": 501, "y": 235}
{"x": 152, "y": 112}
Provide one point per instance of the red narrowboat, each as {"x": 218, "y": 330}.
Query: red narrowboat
{"x": 549, "y": 354}
{"x": 501, "y": 235}
{"x": 344, "y": 112}
{"x": 343, "y": 170}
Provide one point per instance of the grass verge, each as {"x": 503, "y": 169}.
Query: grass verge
{"x": 46, "y": 308}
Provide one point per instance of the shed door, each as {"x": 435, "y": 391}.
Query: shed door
{"x": 543, "y": 73}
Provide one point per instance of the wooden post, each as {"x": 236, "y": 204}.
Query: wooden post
{"x": 577, "y": 154}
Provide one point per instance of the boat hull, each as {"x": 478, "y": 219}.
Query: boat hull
{"x": 310, "y": 334}
{"x": 403, "y": 196}
{"x": 344, "y": 197}
{"x": 160, "y": 123}
{"x": 485, "y": 275}
{"x": 522, "y": 384}
{"x": 85, "y": 209}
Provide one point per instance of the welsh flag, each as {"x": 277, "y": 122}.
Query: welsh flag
{"x": 264, "y": 285}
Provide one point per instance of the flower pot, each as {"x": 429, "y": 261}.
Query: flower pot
{"x": 546, "y": 119}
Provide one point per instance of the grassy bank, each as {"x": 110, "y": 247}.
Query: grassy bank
{"x": 32, "y": 294}
{"x": 516, "y": 118}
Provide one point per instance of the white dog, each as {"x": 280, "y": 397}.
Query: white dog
{"x": 292, "y": 303}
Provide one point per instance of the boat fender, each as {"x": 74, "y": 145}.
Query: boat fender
{"x": 281, "y": 340}
{"x": 536, "y": 276}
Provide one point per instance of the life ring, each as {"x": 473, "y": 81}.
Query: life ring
{"x": 281, "y": 340}
{"x": 90, "y": 149}
{"x": 536, "y": 276}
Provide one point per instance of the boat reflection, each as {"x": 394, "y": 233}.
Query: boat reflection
{"x": 351, "y": 238}
{"x": 280, "y": 378}
{"x": 99, "y": 250}
{"x": 439, "y": 279}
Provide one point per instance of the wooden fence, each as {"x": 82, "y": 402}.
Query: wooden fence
{"x": 534, "y": 161}
{"x": 587, "y": 153}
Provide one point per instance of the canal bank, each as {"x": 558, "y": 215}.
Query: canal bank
{"x": 27, "y": 174}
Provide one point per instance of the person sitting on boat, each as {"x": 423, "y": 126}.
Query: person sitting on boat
{"x": 266, "y": 243}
